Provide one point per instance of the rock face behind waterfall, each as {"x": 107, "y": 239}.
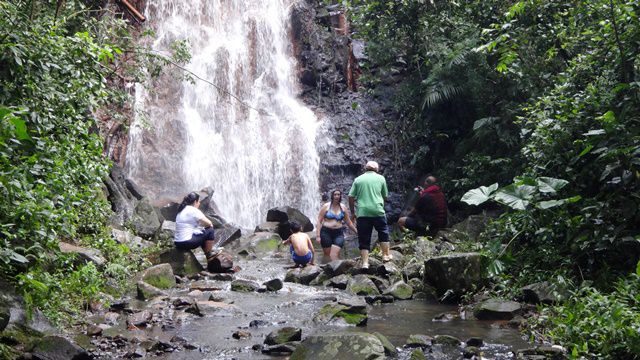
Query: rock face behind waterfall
{"x": 355, "y": 126}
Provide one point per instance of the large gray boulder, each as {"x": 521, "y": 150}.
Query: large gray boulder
{"x": 160, "y": 276}
{"x": 122, "y": 201}
{"x": 340, "y": 346}
{"x": 227, "y": 234}
{"x": 146, "y": 221}
{"x": 132, "y": 241}
{"x": 345, "y": 312}
{"x": 456, "y": 273}
{"x": 543, "y": 292}
{"x": 400, "y": 290}
{"x": 338, "y": 267}
{"x": 58, "y": 348}
{"x": 496, "y": 309}
{"x": 210, "y": 209}
{"x": 84, "y": 255}
{"x": 302, "y": 275}
{"x": 5, "y": 314}
{"x": 473, "y": 225}
{"x": 183, "y": 262}
{"x": 362, "y": 285}
{"x": 283, "y": 335}
{"x": 283, "y": 214}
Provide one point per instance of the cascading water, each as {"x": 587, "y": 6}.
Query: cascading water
{"x": 190, "y": 135}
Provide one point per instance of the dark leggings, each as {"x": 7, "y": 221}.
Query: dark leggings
{"x": 365, "y": 228}
{"x": 196, "y": 240}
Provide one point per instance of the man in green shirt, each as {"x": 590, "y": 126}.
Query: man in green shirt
{"x": 369, "y": 190}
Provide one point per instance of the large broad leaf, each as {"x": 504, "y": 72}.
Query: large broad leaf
{"x": 479, "y": 195}
{"x": 515, "y": 197}
{"x": 550, "y": 185}
{"x": 484, "y": 121}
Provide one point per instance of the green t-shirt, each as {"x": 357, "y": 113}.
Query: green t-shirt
{"x": 369, "y": 190}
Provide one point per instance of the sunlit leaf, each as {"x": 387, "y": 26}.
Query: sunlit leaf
{"x": 550, "y": 185}
{"x": 479, "y": 195}
{"x": 515, "y": 197}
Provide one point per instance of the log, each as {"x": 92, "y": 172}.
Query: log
{"x": 132, "y": 10}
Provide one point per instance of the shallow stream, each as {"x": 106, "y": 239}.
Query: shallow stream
{"x": 295, "y": 305}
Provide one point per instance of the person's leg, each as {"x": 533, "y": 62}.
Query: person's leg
{"x": 380, "y": 224}
{"x": 326, "y": 241}
{"x": 365, "y": 227}
{"x": 208, "y": 240}
{"x": 415, "y": 225}
{"x": 402, "y": 223}
{"x": 338, "y": 243}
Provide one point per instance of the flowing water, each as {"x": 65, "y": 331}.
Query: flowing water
{"x": 256, "y": 153}
{"x": 295, "y": 305}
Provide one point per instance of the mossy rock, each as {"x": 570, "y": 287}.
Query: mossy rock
{"x": 340, "y": 346}
{"x": 267, "y": 245}
{"x": 352, "y": 319}
{"x": 400, "y": 291}
{"x": 389, "y": 349}
{"x": 283, "y": 335}
{"x": 333, "y": 311}
{"x": 446, "y": 340}
{"x": 160, "y": 276}
{"x": 417, "y": 354}
{"x": 419, "y": 340}
{"x": 362, "y": 285}
{"x": 241, "y": 285}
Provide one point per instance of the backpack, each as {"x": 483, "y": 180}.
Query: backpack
{"x": 221, "y": 263}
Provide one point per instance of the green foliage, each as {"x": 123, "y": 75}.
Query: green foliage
{"x": 447, "y": 92}
{"x": 596, "y": 324}
{"x": 545, "y": 92}
{"x": 61, "y": 63}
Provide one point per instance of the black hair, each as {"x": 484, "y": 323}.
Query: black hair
{"x": 191, "y": 198}
{"x": 333, "y": 192}
{"x": 294, "y": 226}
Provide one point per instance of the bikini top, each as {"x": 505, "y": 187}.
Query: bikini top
{"x": 330, "y": 215}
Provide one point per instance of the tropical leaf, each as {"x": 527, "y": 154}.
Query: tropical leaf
{"x": 515, "y": 197}
{"x": 479, "y": 195}
{"x": 484, "y": 121}
{"x": 550, "y": 185}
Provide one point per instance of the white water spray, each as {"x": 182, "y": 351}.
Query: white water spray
{"x": 200, "y": 136}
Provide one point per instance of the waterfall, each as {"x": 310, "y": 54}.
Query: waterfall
{"x": 190, "y": 134}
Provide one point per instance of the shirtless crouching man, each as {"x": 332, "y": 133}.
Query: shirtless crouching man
{"x": 302, "y": 251}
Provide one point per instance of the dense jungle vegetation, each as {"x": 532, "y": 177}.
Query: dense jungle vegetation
{"x": 531, "y": 107}
{"x": 61, "y": 62}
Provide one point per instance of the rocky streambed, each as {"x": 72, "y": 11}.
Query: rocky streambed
{"x": 332, "y": 310}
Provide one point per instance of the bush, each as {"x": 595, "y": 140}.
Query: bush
{"x": 593, "y": 324}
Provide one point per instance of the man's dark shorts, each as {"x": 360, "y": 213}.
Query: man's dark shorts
{"x": 365, "y": 227}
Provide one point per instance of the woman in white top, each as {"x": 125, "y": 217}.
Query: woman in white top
{"x": 193, "y": 229}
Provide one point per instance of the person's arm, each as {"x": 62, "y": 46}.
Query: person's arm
{"x": 321, "y": 215}
{"x": 347, "y": 218}
{"x": 313, "y": 251}
{"x": 287, "y": 241}
{"x": 206, "y": 223}
{"x": 352, "y": 206}
{"x": 202, "y": 219}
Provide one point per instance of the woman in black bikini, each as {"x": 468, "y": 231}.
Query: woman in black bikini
{"x": 330, "y": 227}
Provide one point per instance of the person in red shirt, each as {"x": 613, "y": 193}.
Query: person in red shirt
{"x": 429, "y": 214}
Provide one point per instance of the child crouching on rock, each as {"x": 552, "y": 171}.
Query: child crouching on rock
{"x": 302, "y": 251}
